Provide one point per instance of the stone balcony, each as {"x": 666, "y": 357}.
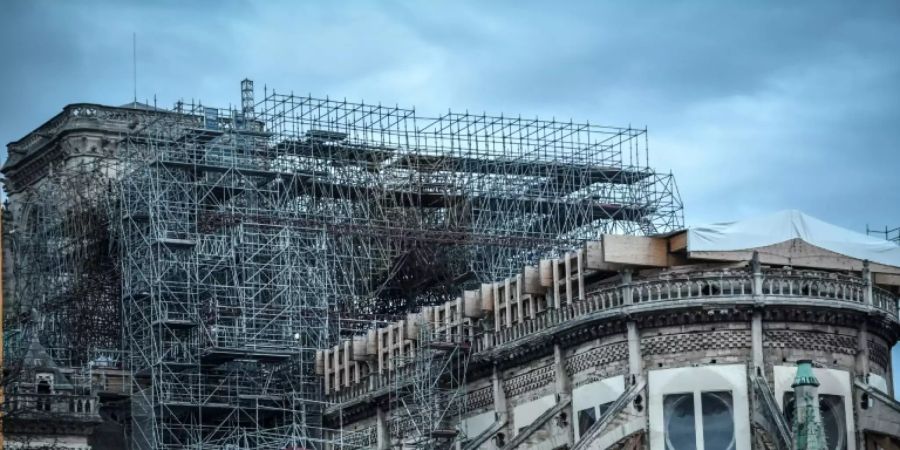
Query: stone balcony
{"x": 722, "y": 287}
{"x": 60, "y": 406}
{"x": 664, "y": 290}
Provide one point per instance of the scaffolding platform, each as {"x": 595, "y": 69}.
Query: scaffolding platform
{"x": 217, "y": 356}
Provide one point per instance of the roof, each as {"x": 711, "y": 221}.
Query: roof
{"x": 788, "y": 225}
{"x": 37, "y": 359}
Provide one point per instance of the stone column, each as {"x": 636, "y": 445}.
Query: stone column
{"x": 499, "y": 395}
{"x": 627, "y": 298}
{"x": 564, "y": 392}
{"x": 862, "y": 351}
{"x": 756, "y": 332}
{"x": 867, "y": 281}
{"x": 635, "y": 364}
{"x": 634, "y": 337}
{"x": 756, "y": 267}
{"x": 756, "y": 328}
{"x": 382, "y": 433}
{"x": 501, "y": 410}
{"x": 862, "y": 336}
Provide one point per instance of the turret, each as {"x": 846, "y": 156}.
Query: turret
{"x": 808, "y": 432}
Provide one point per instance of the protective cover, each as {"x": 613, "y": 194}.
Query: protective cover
{"x": 786, "y": 225}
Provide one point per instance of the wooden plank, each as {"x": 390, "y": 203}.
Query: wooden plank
{"x": 579, "y": 271}
{"x": 636, "y": 250}
{"x": 372, "y": 344}
{"x": 487, "y": 296}
{"x": 887, "y": 279}
{"x": 678, "y": 242}
{"x": 593, "y": 258}
{"x": 472, "y": 304}
{"x": 360, "y": 348}
{"x": 546, "y": 270}
{"x": 593, "y": 255}
{"x": 320, "y": 362}
{"x": 531, "y": 281}
{"x": 677, "y": 259}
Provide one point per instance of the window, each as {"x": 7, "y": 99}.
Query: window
{"x": 603, "y": 408}
{"x": 833, "y": 419}
{"x": 678, "y": 417}
{"x": 44, "y": 383}
{"x": 586, "y": 418}
{"x": 718, "y": 420}
{"x": 590, "y": 401}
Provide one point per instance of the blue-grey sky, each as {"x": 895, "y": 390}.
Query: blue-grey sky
{"x": 756, "y": 108}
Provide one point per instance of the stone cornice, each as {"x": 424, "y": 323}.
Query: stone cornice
{"x": 29, "y": 157}
{"x": 580, "y": 329}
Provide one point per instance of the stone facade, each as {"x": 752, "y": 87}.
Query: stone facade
{"x": 566, "y": 353}
{"x": 701, "y": 336}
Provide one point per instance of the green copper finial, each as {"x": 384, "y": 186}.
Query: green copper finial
{"x": 807, "y": 426}
{"x": 805, "y": 375}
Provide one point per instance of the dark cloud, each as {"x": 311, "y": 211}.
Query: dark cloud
{"x": 755, "y": 107}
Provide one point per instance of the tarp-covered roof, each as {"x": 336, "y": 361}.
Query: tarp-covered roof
{"x": 787, "y": 225}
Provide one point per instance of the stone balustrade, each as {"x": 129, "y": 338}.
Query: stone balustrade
{"x": 57, "y": 405}
{"x": 668, "y": 289}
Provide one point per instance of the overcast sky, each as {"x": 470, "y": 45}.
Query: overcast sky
{"x": 755, "y": 108}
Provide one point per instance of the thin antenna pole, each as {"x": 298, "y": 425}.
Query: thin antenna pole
{"x": 134, "y": 63}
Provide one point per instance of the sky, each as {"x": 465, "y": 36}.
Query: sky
{"x": 755, "y": 107}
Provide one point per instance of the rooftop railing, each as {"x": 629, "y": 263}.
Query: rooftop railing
{"x": 771, "y": 284}
{"x": 59, "y": 405}
{"x": 818, "y": 288}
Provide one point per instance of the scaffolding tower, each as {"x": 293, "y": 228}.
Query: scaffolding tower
{"x": 220, "y": 289}
{"x": 220, "y": 248}
{"x": 429, "y": 388}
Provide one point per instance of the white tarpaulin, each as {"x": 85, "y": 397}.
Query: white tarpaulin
{"x": 786, "y": 225}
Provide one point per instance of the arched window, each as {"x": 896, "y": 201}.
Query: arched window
{"x": 43, "y": 387}
{"x": 44, "y": 383}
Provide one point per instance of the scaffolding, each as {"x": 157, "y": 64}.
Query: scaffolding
{"x": 219, "y": 284}
{"x": 890, "y": 234}
{"x": 415, "y": 207}
{"x": 220, "y": 248}
{"x": 66, "y": 283}
{"x": 429, "y": 387}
